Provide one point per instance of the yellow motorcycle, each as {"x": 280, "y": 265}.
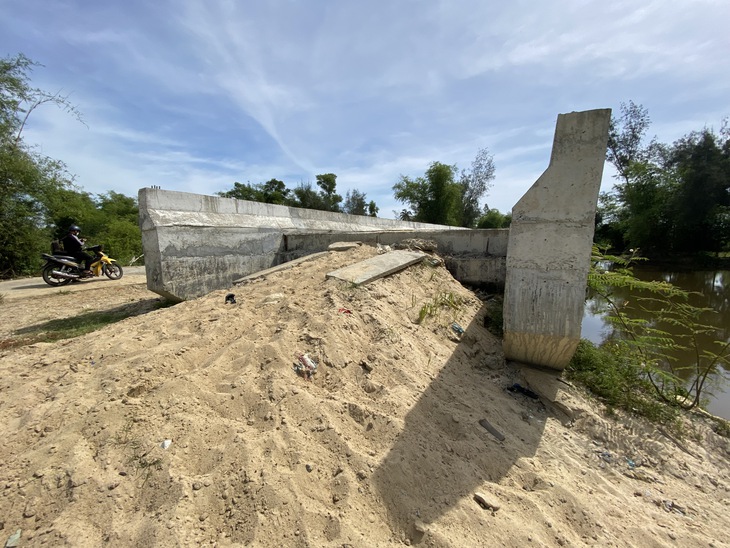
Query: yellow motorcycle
{"x": 63, "y": 269}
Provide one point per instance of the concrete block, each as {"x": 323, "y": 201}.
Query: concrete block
{"x": 377, "y": 267}
{"x": 549, "y": 248}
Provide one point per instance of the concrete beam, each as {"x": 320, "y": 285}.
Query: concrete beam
{"x": 549, "y": 250}
{"x": 194, "y": 244}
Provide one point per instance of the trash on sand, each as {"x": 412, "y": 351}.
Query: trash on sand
{"x": 344, "y": 311}
{"x": 305, "y": 366}
{"x": 230, "y": 298}
{"x": 522, "y": 390}
{"x": 457, "y": 328}
{"x": 492, "y": 430}
{"x": 166, "y": 444}
{"x": 14, "y": 539}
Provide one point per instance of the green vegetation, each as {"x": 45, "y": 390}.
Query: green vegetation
{"x": 324, "y": 199}
{"x": 443, "y": 195}
{"x": 76, "y": 326}
{"x": 636, "y": 369}
{"x": 442, "y": 300}
{"x": 669, "y": 200}
{"x": 38, "y": 200}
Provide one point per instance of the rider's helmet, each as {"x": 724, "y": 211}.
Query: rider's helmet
{"x": 74, "y": 228}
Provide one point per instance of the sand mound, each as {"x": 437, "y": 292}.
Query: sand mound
{"x": 190, "y": 426}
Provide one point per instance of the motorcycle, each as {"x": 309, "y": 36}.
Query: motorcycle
{"x": 63, "y": 269}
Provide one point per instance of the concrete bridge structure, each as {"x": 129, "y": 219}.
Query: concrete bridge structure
{"x": 194, "y": 244}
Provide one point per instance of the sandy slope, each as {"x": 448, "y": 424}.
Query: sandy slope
{"x": 382, "y": 447}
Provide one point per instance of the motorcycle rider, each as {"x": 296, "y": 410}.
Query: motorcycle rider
{"x": 74, "y": 246}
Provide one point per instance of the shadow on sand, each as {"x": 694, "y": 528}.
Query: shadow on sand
{"x": 443, "y": 453}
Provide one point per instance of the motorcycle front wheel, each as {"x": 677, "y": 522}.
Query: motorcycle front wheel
{"x": 52, "y": 280}
{"x": 113, "y": 271}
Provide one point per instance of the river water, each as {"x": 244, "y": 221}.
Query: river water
{"x": 714, "y": 287}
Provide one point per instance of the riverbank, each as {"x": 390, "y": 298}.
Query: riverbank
{"x": 190, "y": 426}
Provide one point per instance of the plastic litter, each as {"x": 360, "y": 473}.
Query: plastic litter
{"x": 14, "y": 539}
{"x": 457, "y": 328}
{"x": 230, "y": 298}
{"x": 344, "y": 311}
{"x": 166, "y": 444}
{"x": 305, "y": 366}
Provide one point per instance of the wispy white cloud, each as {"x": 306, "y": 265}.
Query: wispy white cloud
{"x": 196, "y": 95}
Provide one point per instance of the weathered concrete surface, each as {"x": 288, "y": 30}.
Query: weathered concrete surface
{"x": 548, "y": 254}
{"x": 377, "y": 267}
{"x": 194, "y": 244}
{"x": 285, "y": 266}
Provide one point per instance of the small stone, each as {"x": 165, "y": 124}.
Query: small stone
{"x": 486, "y": 502}
{"x": 197, "y": 486}
{"x": 420, "y": 526}
{"x": 361, "y": 474}
{"x": 309, "y": 467}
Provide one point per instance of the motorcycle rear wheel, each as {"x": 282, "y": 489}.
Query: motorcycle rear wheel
{"x": 113, "y": 271}
{"x": 50, "y": 279}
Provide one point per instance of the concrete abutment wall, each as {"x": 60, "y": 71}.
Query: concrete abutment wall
{"x": 194, "y": 244}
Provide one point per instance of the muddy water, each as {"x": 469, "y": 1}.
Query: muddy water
{"x": 714, "y": 289}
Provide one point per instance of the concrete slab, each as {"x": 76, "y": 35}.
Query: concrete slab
{"x": 284, "y": 266}
{"x": 377, "y": 267}
{"x": 550, "y": 386}
{"x": 343, "y": 246}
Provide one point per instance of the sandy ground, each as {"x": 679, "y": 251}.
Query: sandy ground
{"x": 189, "y": 426}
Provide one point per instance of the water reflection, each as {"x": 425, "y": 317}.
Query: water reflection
{"x": 714, "y": 293}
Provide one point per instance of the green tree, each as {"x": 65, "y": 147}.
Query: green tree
{"x": 474, "y": 185}
{"x": 28, "y": 180}
{"x": 355, "y": 203}
{"x": 372, "y": 209}
{"x": 241, "y": 191}
{"x": 306, "y": 197}
{"x": 668, "y": 199}
{"x": 702, "y": 199}
{"x": 119, "y": 231}
{"x": 626, "y": 139}
{"x": 274, "y": 191}
{"x": 434, "y": 198}
{"x": 492, "y": 218}
{"x": 330, "y": 199}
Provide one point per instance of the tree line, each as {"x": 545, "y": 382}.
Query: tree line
{"x": 38, "y": 197}
{"x": 303, "y": 195}
{"x": 669, "y": 200}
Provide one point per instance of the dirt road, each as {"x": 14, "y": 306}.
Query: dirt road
{"x": 35, "y": 287}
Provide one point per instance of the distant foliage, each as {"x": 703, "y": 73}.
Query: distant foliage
{"x": 445, "y": 197}
{"x": 38, "y": 200}
{"x": 304, "y": 195}
{"x": 669, "y": 199}
{"x": 492, "y": 218}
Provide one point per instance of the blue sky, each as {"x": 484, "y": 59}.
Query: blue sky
{"x": 193, "y": 95}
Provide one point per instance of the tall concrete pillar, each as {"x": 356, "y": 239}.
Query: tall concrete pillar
{"x": 549, "y": 250}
